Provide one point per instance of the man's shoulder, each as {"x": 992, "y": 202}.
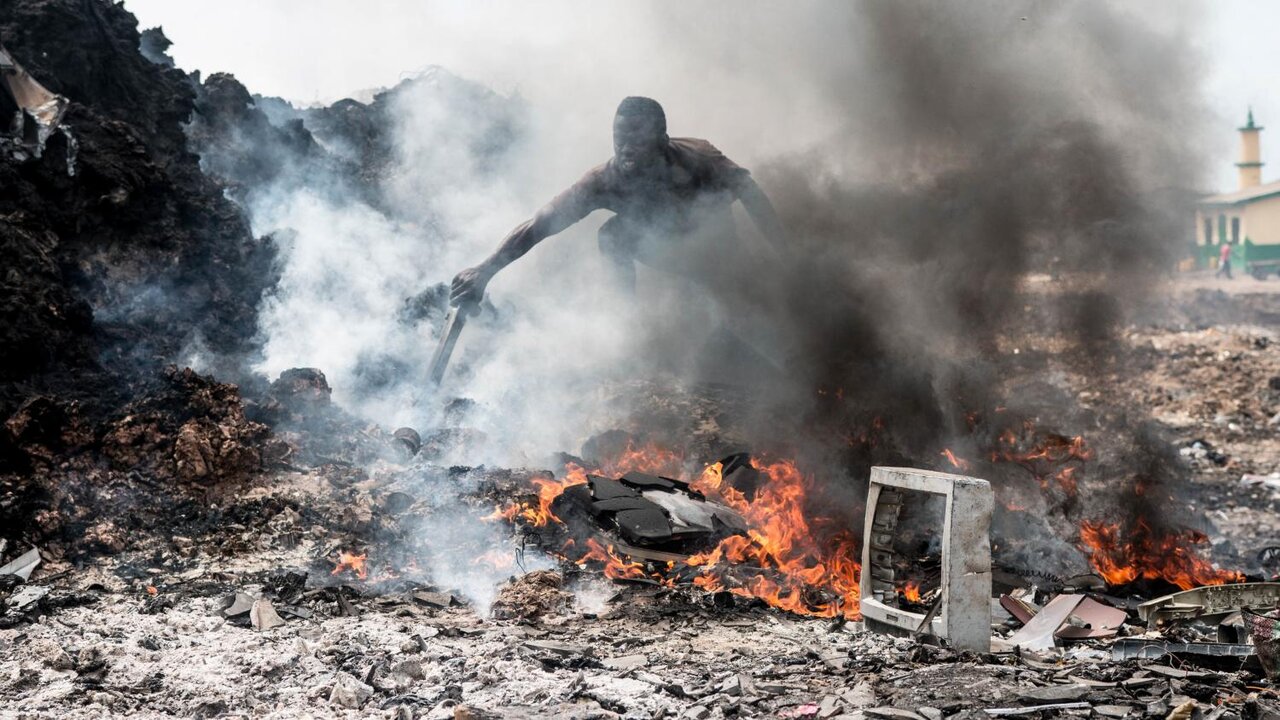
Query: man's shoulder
{"x": 597, "y": 178}
{"x": 696, "y": 147}
{"x": 582, "y": 196}
{"x": 706, "y": 161}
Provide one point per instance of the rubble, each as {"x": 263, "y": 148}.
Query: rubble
{"x": 1040, "y": 631}
{"x": 1209, "y": 603}
{"x": 213, "y": 542}
{"x": 531, "y": 596}
{"x": 23, "y": 565}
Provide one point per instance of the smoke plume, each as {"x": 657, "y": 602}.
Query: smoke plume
{"x": 950, "y": 174}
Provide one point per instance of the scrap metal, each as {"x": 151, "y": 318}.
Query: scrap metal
{"x": 964, "y": 618}
{"x": 1209, "y": 602}
{"x": 33, "y": 99}
{"x": 453, "y": 324}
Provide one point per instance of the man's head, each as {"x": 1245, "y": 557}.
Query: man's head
{"x": 639, "y": 134}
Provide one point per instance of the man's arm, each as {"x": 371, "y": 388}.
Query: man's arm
{"x": 761, "y": 211}
{"x": 566, "y": 209}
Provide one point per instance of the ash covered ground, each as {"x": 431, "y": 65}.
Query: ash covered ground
{"x": 219, "y": 540}
{"x": 134, "y": 623}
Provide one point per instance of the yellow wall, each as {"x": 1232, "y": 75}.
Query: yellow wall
{"x": 1229, "y": 213}
{"x": 1250, "y": 176}
{"x": 1261, "y": 222}
{"x": 1250, "y": 152}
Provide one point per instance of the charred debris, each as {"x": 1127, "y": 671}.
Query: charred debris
{"x": 317, "y": 562}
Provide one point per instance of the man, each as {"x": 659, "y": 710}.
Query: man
{"x": 665, "y": 192}
{"x": 1224, "y": 261}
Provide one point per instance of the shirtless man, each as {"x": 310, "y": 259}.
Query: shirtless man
{"x": 663, "y": 191}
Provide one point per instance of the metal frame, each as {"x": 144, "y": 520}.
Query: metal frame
{"x": 964, "y": 617}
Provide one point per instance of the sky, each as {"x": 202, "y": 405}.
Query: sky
{"x": 322, "y": 50}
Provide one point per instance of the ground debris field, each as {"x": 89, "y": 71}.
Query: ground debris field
{"x": 970, "y": 449}
{"x": 296, "y": 595}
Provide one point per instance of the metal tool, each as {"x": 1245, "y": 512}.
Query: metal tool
{"x": 453, "y": 324}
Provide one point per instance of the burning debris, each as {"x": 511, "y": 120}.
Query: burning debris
{"x": 744, "y": 532}
{"x": 181, "y": 534}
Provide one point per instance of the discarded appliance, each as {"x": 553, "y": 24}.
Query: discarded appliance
{"x": 1150, "y": 649}
{"x": 964, "y": 611}
{"x": 1209, "y": 602}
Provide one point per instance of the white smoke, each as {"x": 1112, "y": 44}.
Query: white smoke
{"x": 876, "y": 94}
{"x": 771, "y": 82}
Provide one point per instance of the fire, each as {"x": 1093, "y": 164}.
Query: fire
{"x": 956, "y": 462}
{"x": 911, "y": 592}
{"x": 353, "y": 562}
{"x": 1050, "y": 456}
{"x": 649, "y": 457}
{"x": 615, "y": 568}
{"x": 1148, "y": 555}
{"x": 808, "y": 567}
{"x": 797, "y": 558}
{"x": 538, "y": 513}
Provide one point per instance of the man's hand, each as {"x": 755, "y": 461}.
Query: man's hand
{"x": 468, "y": 286}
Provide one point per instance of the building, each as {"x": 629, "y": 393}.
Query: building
{"x": 1247, "y": 218}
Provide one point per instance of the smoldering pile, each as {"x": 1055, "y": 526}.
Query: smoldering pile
{"x": 128, "y": 264}
{"x": 205, "y": 506}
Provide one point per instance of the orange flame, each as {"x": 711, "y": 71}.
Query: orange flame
{"x": 911, "y": 592}
{"x": 353, "y": 562}
{"x": 956, "y": 462}
{"x": 1047, "y": 459}
{"x": 1148, "y": 555}
{"x": 615, "y": 568}
{"x": 780, "y": 539}
{"x": 649, "y": 457}
{"x": 795, "y": 562}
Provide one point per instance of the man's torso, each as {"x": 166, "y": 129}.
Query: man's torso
{"x": 691, "y": 192}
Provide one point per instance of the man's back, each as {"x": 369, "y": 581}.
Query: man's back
{"x": 661, "y": 189}
{"x": 696, "y": 184}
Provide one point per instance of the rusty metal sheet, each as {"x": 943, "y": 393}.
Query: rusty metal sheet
{"x": 1017, "y": 608}
{"x": 1038, "y": 634}
{"x": 1102, "y": 620}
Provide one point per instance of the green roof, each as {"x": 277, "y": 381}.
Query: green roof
{"x": 1249, "y": 125}
{"x": 1243, "y": 197}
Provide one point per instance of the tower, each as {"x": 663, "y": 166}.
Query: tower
{"x": 1250, "y": 155}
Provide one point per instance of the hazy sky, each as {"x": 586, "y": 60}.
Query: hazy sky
{"x": 321, "y": 50}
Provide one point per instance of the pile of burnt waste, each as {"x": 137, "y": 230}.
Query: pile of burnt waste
{"x": 379, "y": 636}
{"x": 121, "y": 251}
{"x": 650, "y": 510}
{"x": 122, "y": 258}
{"x": 127, "y": 259}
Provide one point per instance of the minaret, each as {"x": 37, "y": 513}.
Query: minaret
{"x": 1250, "y": 155}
